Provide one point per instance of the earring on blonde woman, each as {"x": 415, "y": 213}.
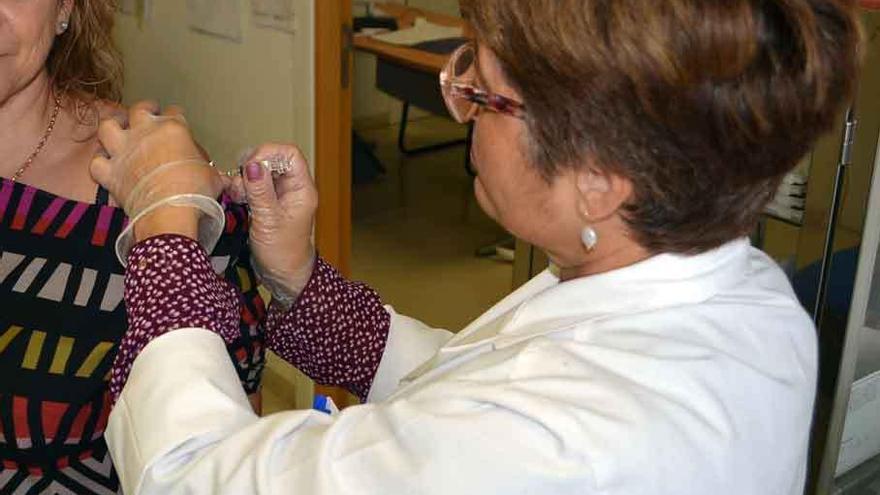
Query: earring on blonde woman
{"x": 62, "y": 27}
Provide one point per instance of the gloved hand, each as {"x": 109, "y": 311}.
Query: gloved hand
{"x": 282, "y": 207}
{"x": 153, "y": 166}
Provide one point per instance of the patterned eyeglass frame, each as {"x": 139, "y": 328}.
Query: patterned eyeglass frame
{"x": 462, "y": 88}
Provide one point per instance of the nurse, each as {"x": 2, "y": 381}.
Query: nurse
{"x": 634, "y": 141}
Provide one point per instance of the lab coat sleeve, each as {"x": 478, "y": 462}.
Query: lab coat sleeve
{"x": 410, "y": 343}
{"x": 183, "y": 425}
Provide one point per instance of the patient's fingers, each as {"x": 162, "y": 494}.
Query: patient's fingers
{"x": 143, "y": 112}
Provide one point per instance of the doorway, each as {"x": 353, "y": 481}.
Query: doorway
{"x": 412, "y": 232}
{"x": 416, "y": 226}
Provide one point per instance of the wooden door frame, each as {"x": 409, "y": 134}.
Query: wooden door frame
{"x": 332, "y": 161}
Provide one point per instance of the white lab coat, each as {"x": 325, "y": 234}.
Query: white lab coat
{"x": 676, "y": 376}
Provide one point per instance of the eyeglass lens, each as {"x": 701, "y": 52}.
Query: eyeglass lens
{"x": 459, "y": 68}
{"x": 464, "y": 62}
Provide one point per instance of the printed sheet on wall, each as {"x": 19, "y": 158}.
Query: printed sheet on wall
{"x": 274, "y": 14}
{"x": 215, "y": 17}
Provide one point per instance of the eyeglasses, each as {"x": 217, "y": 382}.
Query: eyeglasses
{"x": 463, "y": 99}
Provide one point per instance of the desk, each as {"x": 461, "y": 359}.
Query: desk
{"x": 412, "y": 58}
{"x": 411, "y": 74}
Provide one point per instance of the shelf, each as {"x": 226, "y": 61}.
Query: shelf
{"x": 779, "y": 218}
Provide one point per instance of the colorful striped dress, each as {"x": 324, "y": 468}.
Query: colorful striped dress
{"x": 61, "y": 319}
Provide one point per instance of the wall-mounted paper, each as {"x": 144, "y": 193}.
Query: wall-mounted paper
{"x": 217, "y": 17}
{"x": 274, "y": 14}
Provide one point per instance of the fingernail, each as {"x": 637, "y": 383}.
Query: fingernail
{"x": 254, "y": 172}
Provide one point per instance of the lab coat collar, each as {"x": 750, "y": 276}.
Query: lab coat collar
{"x": 547, "y": 306}
{"x": 664, "y": 280}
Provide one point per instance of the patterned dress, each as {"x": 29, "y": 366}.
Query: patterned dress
{"x": 61, "y": 320}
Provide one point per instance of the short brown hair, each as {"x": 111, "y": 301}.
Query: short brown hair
{"x": 84, "y": 61}
{"x": 703, "y": 104}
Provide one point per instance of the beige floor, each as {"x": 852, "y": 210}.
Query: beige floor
{"x": 415, "y": 231}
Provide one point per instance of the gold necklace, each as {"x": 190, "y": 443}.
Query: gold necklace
{"x": 42, "y": 144}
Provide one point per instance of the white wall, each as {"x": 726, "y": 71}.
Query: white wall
{"x": 236, "y": 94}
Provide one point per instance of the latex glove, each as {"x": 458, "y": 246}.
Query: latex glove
{"x": 155, "y": 166}
{"x": 282, "y": 210}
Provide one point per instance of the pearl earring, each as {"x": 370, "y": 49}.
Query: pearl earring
{"x": 590, "y": 238}
{"x": 62, "y": 27}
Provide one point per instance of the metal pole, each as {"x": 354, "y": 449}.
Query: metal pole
{"x": 846, "y": 149}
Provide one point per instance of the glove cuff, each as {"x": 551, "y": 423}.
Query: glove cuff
{"x": 211, "y": 223}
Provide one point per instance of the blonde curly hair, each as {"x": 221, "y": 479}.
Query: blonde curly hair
{"x": 84, "y": 61}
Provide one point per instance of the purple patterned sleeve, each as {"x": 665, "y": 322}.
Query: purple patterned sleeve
{"x": 169, "y": 285}
{"x": 335, "y": 332}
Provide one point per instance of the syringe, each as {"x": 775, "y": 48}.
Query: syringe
{"x": 277, "y": 164}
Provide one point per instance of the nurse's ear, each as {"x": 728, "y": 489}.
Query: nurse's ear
{"x": 601, "y": 194}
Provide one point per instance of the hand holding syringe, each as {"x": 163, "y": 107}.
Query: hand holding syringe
{"x": 276, "y": 164}
{"x": 276, "y": 183}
